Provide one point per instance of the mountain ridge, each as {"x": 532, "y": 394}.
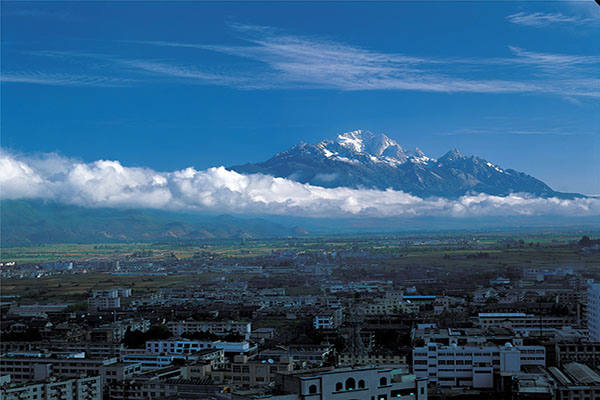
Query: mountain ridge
{"x": 27, "y": 222}
{"x": 361, "y": 159}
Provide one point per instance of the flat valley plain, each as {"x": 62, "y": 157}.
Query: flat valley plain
{"x": 367, "y": 257}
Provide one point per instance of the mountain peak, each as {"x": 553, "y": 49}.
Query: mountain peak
{"x": 355, "y": 140}
{"x": 367, "y": 143}
{"x": 453, "y": 154}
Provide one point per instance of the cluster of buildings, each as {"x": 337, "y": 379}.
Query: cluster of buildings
{"x": 415, "y": 334}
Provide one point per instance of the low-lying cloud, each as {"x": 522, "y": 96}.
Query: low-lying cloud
{"x": 105, "y": 183}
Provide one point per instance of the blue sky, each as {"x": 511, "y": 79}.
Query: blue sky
{"x": 172, "y": 85}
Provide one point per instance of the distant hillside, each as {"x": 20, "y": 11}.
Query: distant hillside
{"x": 31, "y": 222}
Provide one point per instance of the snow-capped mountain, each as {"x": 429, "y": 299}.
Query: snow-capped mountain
{"x": 363, "y": 159}
{"x": 364, "y": 146}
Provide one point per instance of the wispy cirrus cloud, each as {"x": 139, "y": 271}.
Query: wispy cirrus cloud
{"x": 49, "y": 13}
{"x": 106, "y": 183}
{"x": 42, "y": 78}
{"x": 273, "y": 59}
{"x": 553, "y": 61}
{"x": 540, "y": 19}
{"x": 512, "y": 131}
{"x": 293, "y": 61}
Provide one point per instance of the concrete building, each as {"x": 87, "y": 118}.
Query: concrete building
{"x": 115, "y": 331}
{"x": 532, "y": 384}
{"x": 84, "y": 388}
{"x": 40, "y": 366}
{"x": 166, "y": 383}
{"x": 529, "y": 324}
{"x": 245, "y": 372}
{"x": 328, "y": 319}
{"x": 472, "y": 366}
{"x": 388, "y": 360}
{"x": 593, "y": 312}
{"x": 533, "y": 274}
{"x": 315, "y": 354}
{"x": 36, "y": 310}
{"x": 585, "y": 353}
{"x": 151, "y": 361}
{"x": 107, "y": 299}
{"x": 430, "y": 333}
{"x": 180, "y": 346}
{"x": 576, "y": 382}
{"x": 91, "y": 349}
{"x": 361, "y": 383}
{"x": 221, "y": 328}
{"x": 104, "y": 303}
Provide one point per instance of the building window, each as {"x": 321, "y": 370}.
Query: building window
{"x": 350, "y": 384}
{"x": 383, "y": 381}
{"x": 312, "y": 389}
{"x": 361, "y": 384}
{"x": 339, "y": 387}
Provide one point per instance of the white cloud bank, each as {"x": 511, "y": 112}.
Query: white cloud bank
{"x": 110, "y": 184}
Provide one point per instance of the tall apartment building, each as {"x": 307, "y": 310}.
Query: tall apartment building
{"x": 593, "y": 312}
{"x": 472, "y": 366}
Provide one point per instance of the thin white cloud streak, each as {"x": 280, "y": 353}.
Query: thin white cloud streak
{"x": 41, "y": 78}
{"x": 276, "y": 60}
{"x": 540, "y": 19}
{"x": 286, "y": 61}
{"x": 556, "y": 62}
{"x": 42, "y": 13}
{"x": 109, "y": 184}
{"x": 520, "y": 132}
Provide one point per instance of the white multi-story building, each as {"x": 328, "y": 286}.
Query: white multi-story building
{"x": 104, "y": 303}
{"x": 593, "y": 312}
{"x": 181, "y": 346}
{"x": 244, "y": 329}
{"x": 150, "y": 361}
{"x": 472, "y": 366}
{"x": 107, "y": 298}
